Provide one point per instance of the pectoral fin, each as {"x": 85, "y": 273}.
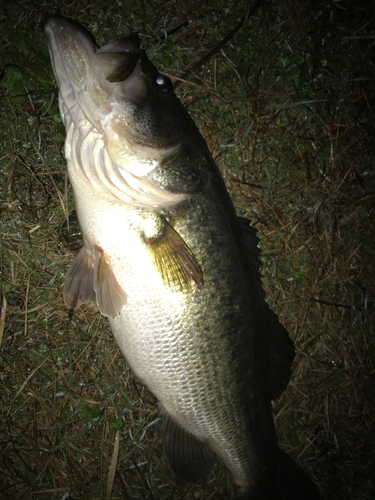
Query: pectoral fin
{"x": 190, "y": 459}
{"x": 110, "y": 297}
{"x": 79, "y": 281}
{"x": 174, "y": 260}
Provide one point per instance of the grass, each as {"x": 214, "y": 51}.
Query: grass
{"x": 286, "y": 109}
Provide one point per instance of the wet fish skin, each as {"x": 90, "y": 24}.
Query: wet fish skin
{"x": 166, "y": 258}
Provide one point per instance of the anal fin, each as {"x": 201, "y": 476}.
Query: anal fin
{"x": 79, "y": 280}
{"x": 190, "y": 459}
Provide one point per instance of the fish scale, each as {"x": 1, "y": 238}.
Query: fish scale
{"x": 198, "y": 357}
{"x": 171, "y": 266}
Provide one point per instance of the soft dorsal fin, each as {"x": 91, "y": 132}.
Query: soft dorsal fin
{"x": 280, "y": 346}
{"x": 281, "y": 354}
{"x": 190, "y": 459}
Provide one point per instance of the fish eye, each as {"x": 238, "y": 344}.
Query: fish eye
{"x": 163, "y": 82}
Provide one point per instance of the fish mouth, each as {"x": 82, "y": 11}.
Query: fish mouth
{"x": 77, "y": 60}
{"x": 100, "y": 90}
{"x": 102, "y": 82}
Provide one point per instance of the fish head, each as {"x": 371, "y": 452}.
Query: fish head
{"x": 117, "y": 91}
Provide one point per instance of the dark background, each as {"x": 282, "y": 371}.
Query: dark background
{"x": 286, "y": 107}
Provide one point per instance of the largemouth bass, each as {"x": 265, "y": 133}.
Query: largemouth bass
{"x": 165, "y": 256}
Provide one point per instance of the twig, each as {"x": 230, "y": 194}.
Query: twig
{"x": 26, "y": 301}
{"x": 225, "y": 40}
{"x": 336, "y": 304}
{"x": 113, "y": 465}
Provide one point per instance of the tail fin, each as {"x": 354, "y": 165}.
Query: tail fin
{"x": 286, "y": 481}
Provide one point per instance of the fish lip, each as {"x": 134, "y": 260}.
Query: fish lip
{"x": 59, "y": 19}
{"x": 67, "y": 35}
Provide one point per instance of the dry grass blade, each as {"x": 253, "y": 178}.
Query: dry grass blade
{"x": 23, "y": 385}
{"x": 2, "y": 317}
{"x": 113, "y": 465}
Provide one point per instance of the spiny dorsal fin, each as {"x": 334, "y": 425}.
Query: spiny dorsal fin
{"x": 250, "y": 234}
